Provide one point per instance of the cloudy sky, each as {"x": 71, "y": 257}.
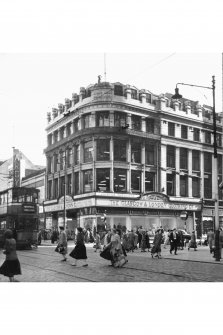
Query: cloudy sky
{"x": 32, "y": 83}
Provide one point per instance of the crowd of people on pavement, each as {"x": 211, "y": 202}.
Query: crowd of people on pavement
{"x": 113, "y": 245}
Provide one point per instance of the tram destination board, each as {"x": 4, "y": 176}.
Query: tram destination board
{"x": 29, "y": 208}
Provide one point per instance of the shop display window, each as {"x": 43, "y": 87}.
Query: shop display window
{"x": 103, "y": 180}
{"x": 103, "y": 149}
{"x": 120, "y": 180}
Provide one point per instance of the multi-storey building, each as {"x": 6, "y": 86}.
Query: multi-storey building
{"x": 141, "y": 158}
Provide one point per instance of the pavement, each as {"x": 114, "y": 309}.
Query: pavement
{"x": 44, "y": 265}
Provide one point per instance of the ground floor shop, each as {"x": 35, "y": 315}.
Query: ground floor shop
{"x": 100, "y": 211}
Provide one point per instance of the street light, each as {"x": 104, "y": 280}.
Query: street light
{"x": 216, "y": 198}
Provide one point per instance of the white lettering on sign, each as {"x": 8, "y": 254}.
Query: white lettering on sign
{"x": 147, "y": 204}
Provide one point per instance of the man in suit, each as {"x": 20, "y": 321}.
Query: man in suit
{"x": 174, "y": 237}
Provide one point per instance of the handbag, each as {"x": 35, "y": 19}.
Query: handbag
{"x": 60, "y": 248}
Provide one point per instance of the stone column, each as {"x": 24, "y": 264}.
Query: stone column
{"x": 112, "y": 164}
{"x": 128, "y": 92}
{"x": 163, "y": 183}
{"x": 143, "y": 97}
{"x": 129, "y": 120}
{"x": 143, "y": 124}
{"x": 177, "y": 158}
{"x": 176, "y": 105}
{"x": 202, "y": 174}
{"x": 190, "y": 172}
{"x": 93, "y": 119}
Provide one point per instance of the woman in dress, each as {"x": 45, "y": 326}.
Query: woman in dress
{"x": 156, "y": 249}
{"x": 79, "y": 252}
{"x": 11, "y": 265}
{"x": 193, "y": 243}
{"x": 114, "y": 251}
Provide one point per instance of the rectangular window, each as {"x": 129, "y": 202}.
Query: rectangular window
{"x": 183, "y": 186}
{"x": 56, "y": 163}
{"x": 171, "y": 129}
{"x": 170, "y": 156}
{"x": 68, "y": 129}
{"x": 55, "y": 135}
{"x": 49, "y": 164}
{"x": 120, "y": 180}
{"x": 149, "y": 182}
{"x": 133, "y": 94}
{"x": 195, "y": 160}
{"x": 196, "y": 134}
{"x": 87, "y": 120}
{"x": 49, "y": 139}
{"x": 207, "y": 162}
{"x": 76, "y": 183}
{"x": 136, "y": 122}
{"x": 69, "y": 157}
{"x": 120, "y": 150}
{"x": 62, "y": 160}
{"x": 219, "y": 140}
{"x": 76, "y": 154}
{"x": 120, "y": 119}
{"x": 88, "y": 181}
{"x": 50, "y": 189}
{"x": 150, "y": 154}
{"x": 56, "y": 194}
{"x": 183, "y": 159}
{"x": 103, "y": 180}
{"x": 118, "y": 90}
{"x": 88, "y": 151}
{"x": 135, "y": 181}
{"x": 62, "y": 133}
{"x": 150, "y": 126}
{"x": 62, "y": 186}
{"x": 195, "y": 187}
{"x": 207, "y": 137}
{"x": 102, "y": 119}
{"x": 103, "y": 149}
{"x": 170, "y": 181}
{"x": 69, "y": 184}
{"x": 76, "y": 125}
{"x": 207, "y": 186}
{"x": 183, "y": 131}
{"x": 135, "y": 152}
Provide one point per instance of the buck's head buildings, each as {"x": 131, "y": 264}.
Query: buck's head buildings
{"x": 143, "y": 159}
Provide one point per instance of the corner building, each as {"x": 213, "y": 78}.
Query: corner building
{"x": 136, "y": 156}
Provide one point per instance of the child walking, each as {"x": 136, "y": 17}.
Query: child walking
{"x": 11, "y": 265}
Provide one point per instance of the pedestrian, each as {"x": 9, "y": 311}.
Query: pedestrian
{"x": 166, "y": 238}
{"x": 181, "y": 240}
{"x": 97, "y": 245}
{"x": 173, "y": 241}
{"x": 39, "y": 237}
{"x": 220, "y": 240}
{"x": 62, "y": 244}
{"x": 140, "y": 230}
{"x": 157, "y": 244}
{"x": 11, "y": 265}
{"x": 210, "y": 239}
{"x": 193, "y": 243}
{"x": 135, "y": 240}
{"x": 130, "y": 241}
{"x": 143, "y": 241}
{"x": 79, "y": 252}
{"x": 107, "y": 239}
{"x": 114, "y": 251}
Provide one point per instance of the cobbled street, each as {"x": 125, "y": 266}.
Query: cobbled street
{"x": 44, "y": 265}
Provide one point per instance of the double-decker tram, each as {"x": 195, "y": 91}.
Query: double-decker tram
{"x": 19, "y": 211}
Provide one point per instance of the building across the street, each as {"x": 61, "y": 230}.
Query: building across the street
{"x": 122, "y": 156}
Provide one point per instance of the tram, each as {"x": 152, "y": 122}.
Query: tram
{"x": 19, "y": 211}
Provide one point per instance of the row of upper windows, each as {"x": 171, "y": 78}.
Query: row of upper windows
{"x": 102, "y": 119}
{"x": 103, "y": 182}
{"x": 84, "y": 153}
{"x": 196, "y": 133}
{"x": 196, "y": 160}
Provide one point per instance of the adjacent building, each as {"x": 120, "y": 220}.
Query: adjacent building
{"x": 133, "y": 157}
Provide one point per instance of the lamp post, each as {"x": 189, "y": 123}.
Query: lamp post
{"x": 215, "y": 186}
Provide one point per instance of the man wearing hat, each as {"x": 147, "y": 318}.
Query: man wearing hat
{"x": 173, "y": 241}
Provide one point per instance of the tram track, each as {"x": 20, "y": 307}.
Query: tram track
{"x": 119, "y": 271}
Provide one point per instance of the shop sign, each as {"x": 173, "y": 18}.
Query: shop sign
{"x": 70, "y": 205}
{"x": 147, "y": 204}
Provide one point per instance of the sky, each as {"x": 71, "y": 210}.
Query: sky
{"x": 31, "y": 84}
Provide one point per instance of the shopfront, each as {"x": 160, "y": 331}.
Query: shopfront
{"x": 150, "y": 211}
